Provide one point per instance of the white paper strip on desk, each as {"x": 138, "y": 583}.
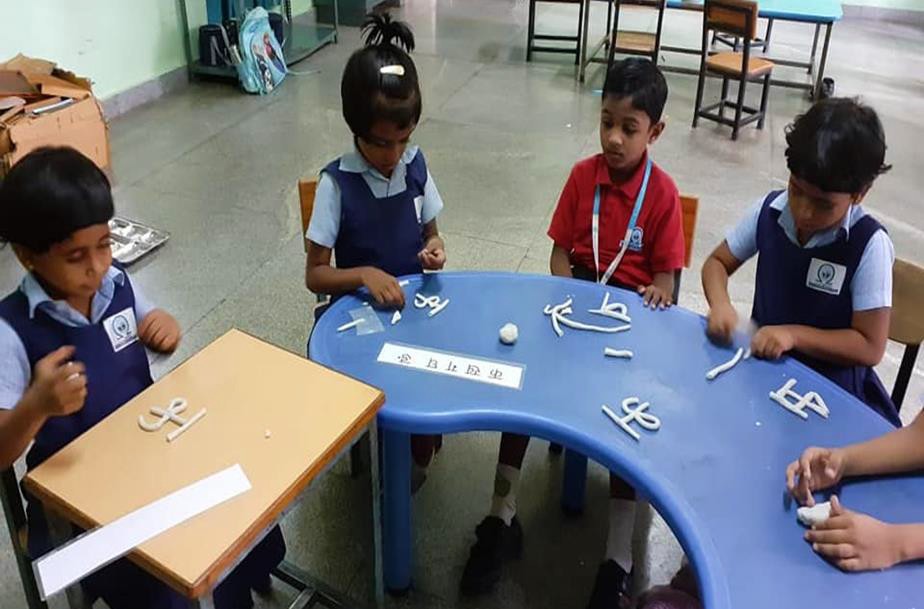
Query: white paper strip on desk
{"x": 82, "y": 556}
{"x": 461, "y": 366}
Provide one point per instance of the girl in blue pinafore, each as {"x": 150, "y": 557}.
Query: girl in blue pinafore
{"x": 72, "y": 350}
{"x": 824, "y": 269}
{"x": 376, "y": 206}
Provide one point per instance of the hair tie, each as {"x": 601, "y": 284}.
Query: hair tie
{"x": 396, "y": 69}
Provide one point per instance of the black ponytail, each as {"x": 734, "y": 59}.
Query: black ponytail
{"x": 380, "y": 80}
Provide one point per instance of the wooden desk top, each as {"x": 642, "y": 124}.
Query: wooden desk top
{"x": 248, "y": 387}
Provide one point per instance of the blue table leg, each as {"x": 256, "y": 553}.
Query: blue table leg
{"x": 574, "y": 483}
{"x": 396, "y": 472}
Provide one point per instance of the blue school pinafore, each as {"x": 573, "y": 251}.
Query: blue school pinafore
{"x": 811, "y": 286}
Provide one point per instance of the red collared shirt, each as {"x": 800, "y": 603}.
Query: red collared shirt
{"x": 660, "y": 221}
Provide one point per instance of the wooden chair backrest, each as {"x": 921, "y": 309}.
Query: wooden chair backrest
{"x": 306, "y": 192}
{"x": 907, "y": 324}
{"x": 689, "y": 206}
{"x": 736, "y": 17}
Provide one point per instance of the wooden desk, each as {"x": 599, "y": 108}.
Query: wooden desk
{"x": 249, "y": 388}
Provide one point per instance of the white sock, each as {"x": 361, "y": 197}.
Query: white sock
{"x": 619, "y": 539}
{"x": 504, "y": 501}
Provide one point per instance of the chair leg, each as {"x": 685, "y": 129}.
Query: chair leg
{"x": 609, "y": 19}
{"x": 724, "y": 96}
{"x": 699, "y": 95}
{"x": 530, "y": 30}
{"x": 904, "y": 375}
{"x": 580, "y": 24}
{"x": 740, "y": 107}
{"x": 767, "y": 36}
{"x": 764, "y": 97}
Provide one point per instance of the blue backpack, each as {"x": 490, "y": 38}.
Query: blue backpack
{"x": 262, "y": 67}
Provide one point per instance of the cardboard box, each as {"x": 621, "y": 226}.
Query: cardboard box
{"x": 43, "y": 105}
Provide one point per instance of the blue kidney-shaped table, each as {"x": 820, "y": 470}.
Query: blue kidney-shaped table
{"x": 714, "y": 469}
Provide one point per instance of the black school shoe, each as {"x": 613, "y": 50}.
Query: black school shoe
{"x": 497, "y": 543}
{"x": 611, "y": 588}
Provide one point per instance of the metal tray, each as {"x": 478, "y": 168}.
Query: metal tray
{"x": 132, "y": 241}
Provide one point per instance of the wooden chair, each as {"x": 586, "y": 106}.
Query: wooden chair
{"x": 627, "y": 42}
{"x": 532, "y": 36}
{"x": 689, "y": 207}
{"x": 633, "y": 42}
{"x": 907, "y": 324}
{"x": 306, "y": 192}
{"x": 739, "y": 18}
{"x": 735, "y": 42}
{"x": 15, "y": 515}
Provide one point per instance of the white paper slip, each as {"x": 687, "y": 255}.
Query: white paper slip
{"x": 84, "y": 555}
{"x": 503, "y": 374}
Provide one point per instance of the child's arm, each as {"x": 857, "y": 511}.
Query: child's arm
{"x": 560, "y": 262}
{"x": 660, "y": 293}
{"x": 851, "y": 540}
{"x": 899, "y": 451}
{"x": 59, "y": 388}
{"x": 863, "y": 344}
{"x": 322, "y": 278}
{"x": 857, "y": 542}
{"x": 723, "y": 318}
{"x": 159, "y": 331}
{"x": 433, "y": 255}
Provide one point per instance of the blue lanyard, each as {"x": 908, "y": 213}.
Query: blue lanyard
{"x": 595, "y": 227}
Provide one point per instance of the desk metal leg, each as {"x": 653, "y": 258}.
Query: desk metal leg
{"x": 584, "y": 33}
{"x": 205, "y": 602}
{"x": 824, "y": 59}
{"x": 811, "y": 66}
{"x": 396, "y": 461}
{"x": 376, "y": 514}
{"x": 574, "y": 483}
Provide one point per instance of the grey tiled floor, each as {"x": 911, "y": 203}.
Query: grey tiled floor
{"x": 218, "y": 169}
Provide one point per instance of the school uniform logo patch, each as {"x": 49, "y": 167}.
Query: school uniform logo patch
{"x": 121, "y": 329}
{"x": 826, "y": 276}
{"x": 636, "y": 240}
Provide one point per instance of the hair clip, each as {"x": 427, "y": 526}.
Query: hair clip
{"x": 397, "y": 70}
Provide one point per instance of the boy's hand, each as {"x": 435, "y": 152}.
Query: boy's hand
{"x": 772, "y": 342}
{"x": 160, "y": 332}
{"x": 383, "y": 287}
{"x": 59, "y": 385}
{"x": 654, "y": 296}
{"x": 722, "y": 321}
{"x": 432, "y": 257}
{"x": 816, "y": 469}
{"x": 854, "y": 541}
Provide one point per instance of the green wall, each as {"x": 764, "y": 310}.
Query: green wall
{"x": 119, "y": 44}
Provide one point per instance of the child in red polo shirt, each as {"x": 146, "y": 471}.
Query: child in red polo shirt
{"x": 618, "y": 221}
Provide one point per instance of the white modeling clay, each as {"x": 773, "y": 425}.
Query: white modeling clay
{"x": 350, "y": 324}
{"x": 810, "y": 516}
{"x": 559, "y": 312}
{"x": 727, "y": 365}
{"x": 618, "y": 353}
{"x": 646, "y": 420}
{"x": 396, "y": 317}
{"x": 404, "y": 283}
{"x": 438, "y": 308}
{"x": 509, "y": 334}
{"x": 616, "y": 310}
{"x": 267, "y": 434}
{"x": 171, "y": 413}
{"x": 421, "y": 302}
{"x": 810, "y": 400}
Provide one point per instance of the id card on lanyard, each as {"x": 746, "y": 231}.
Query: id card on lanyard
{"x": 595, "y": 228}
